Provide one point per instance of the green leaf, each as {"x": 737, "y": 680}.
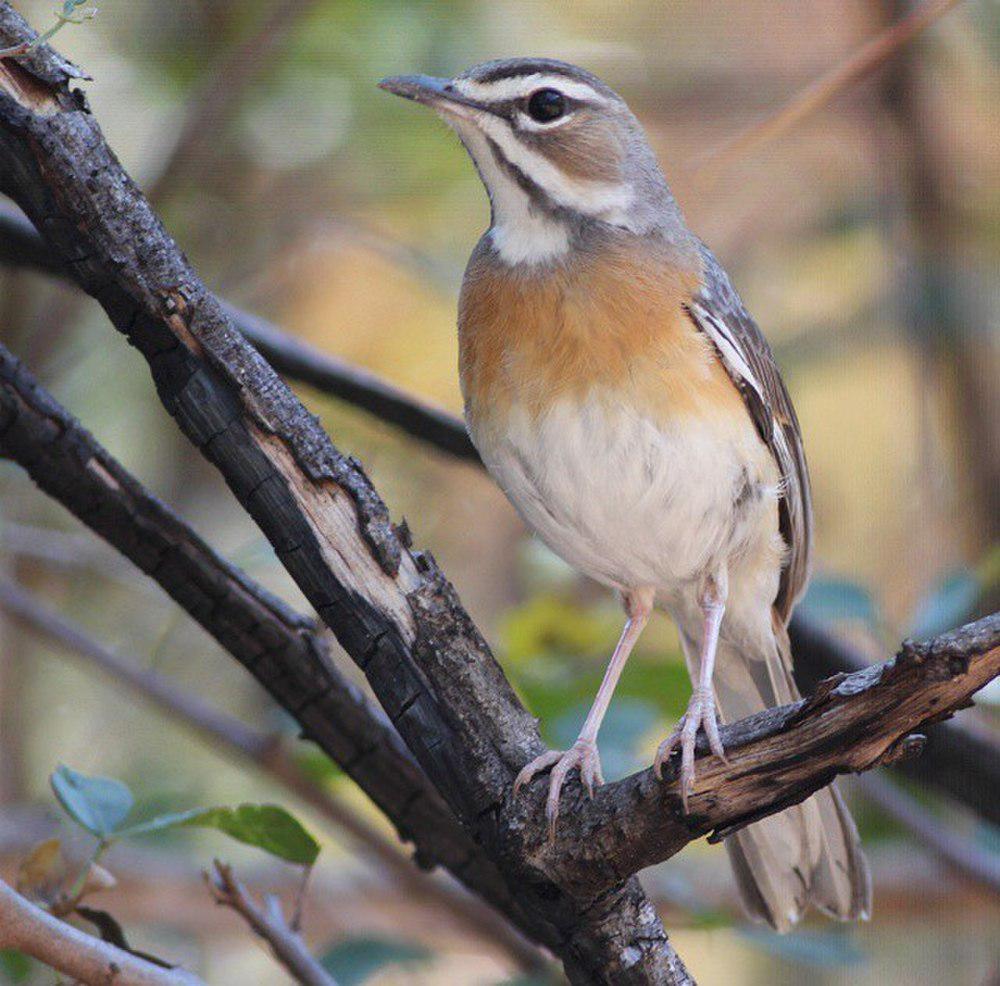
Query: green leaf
{"x": 832, "y": 600}
{"x": 98, "y": 804}
{"x": 267, "y": 827}
{"x": 947, "y": 605}
{"x": 355, "y": 960}
{"x": 15, "y": 966}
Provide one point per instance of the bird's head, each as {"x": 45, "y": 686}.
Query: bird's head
{"x": 558, "y": 151}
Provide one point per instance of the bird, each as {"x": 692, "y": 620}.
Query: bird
{"x": 633, "y": 413}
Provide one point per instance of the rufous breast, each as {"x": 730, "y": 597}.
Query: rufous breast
{"x": 608, "y": 322}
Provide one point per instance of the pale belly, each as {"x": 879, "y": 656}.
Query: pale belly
{"x": 632, "y": 503}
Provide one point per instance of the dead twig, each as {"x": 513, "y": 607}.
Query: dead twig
{"x": 974, "y": 865}
{"x": 268, "y": 921}
{"x": 819, "y": 93}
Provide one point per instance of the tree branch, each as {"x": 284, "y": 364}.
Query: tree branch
{"x": 287, "y": 653}
{"x": 268, "y": 922}
{"x": 960, "y": 760}
{"x": 777, "y": 758}
{"x": 27, "y": 928}
{"x": 265, "y": 753}
{"x": 391, "y": 609}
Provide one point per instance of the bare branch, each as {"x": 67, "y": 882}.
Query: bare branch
{"x": 852, "y": 723}
{"x": 391, "y": 608}
{"x": 978, "y": 866}
{"x": 819, "y": 93}
{"x": 269, "y": 922}
{"x": 29, "y": 929}
{"x": 961, "y": 760}
{"x": 286, "y": 652}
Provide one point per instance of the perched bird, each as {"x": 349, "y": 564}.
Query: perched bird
{"x": 633, "y": 413}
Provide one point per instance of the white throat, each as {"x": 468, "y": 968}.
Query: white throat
{"x": 521, "y": 233}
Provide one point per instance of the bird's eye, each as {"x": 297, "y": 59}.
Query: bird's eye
{"x": 546, "y": 105}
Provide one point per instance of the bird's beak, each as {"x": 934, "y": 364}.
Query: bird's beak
{"x": 439, "y": 94}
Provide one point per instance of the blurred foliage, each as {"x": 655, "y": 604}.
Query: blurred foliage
{"x": 356, "y": 960}
{"x": 15, "y": 967}
{"x": 812, "y": 949}
{"x": 347, "y": 216}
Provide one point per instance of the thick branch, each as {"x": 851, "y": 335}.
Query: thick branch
{"x": 391, "y": 609}
{"x": 287, "y": 653}
{"x": 961, "y": 760}
{"x": 29, "y": 929}
{"x": 777, "y": 758}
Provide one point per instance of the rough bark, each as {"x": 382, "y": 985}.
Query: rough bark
{"x": 959, "y": 759}
{"x": 392, "y": 609}
{"x": 288, "y": 653}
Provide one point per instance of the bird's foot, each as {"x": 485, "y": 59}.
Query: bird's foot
{"x": 582, "y": 754}
{"x": 700, "y": 713}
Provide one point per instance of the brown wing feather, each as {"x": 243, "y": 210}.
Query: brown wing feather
{"x": 718, "y": 311}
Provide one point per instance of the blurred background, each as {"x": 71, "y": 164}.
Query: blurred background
{"x": 865, "y": 239}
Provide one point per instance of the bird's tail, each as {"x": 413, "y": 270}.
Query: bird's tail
{"x": 809, "y": 854}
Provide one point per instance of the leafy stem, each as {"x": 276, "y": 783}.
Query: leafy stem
{"x": 63, "y": 17}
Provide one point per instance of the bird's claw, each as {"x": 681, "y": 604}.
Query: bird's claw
{"x": 582, "y": 755}
{"x": 701, "y": 713}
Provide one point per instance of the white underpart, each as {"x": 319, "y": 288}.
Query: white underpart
{"x": 523, "y": 85}
{"x": 631, "y": 503}
{"x": 520, "y": 233}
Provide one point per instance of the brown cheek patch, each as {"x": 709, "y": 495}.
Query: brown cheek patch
{"x": 587, "y": 148}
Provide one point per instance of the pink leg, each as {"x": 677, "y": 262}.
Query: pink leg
{"x": 583, "y": 753}
{"x": 701, "y": 710}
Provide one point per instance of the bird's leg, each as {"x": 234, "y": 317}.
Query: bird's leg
{"x": 583, "y": 753}
{"x": 701, "y": 710}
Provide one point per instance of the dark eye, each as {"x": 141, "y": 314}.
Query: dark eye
{"x": 546, "y": 105}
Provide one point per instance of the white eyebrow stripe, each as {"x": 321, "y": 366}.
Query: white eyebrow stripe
{"x": 523, "y": 85}
{"x": 606, "y": 200}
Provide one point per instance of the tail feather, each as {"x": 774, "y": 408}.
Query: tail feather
{"x": 809, "y": 854}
